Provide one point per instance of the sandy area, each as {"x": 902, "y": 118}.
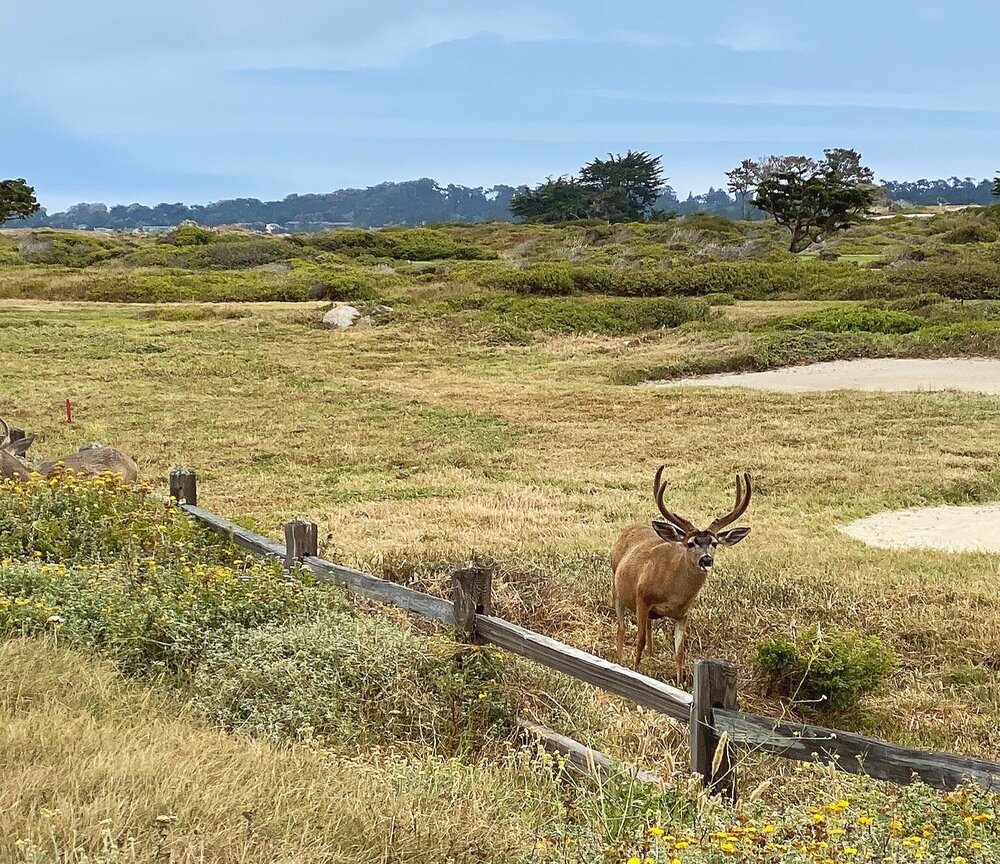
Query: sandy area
{"x": 975, "y": 375}
{"x": 951, "y": 529}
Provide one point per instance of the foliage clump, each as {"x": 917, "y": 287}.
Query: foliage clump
{"x": 824, "y": 669}
{"x": 110, "y": 568}
{"x": 853, "y": 319}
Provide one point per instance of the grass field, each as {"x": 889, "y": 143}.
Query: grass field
{"x": 509, "y": 430}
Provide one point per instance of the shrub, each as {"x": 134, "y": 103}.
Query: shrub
{"x": 67, "y": 249}
{"x": 745, "y": 280}
{"x": 188, "y": 234}
{"x": 353, "y": 683}
{"x": 514, "y": 319}
{"x": 239, "y": 254}
{"x": 852, "y": 318}
{"x": 721, "y": 227}
{"x": 972, "y": 280}
{"x": 542, "y": 279}
{"x": 720, "y": 299}
{"x": 824, "y": 669}
{"x": 135, "y": 579}
{"x": 974, "y": 232}
{"x": 410, "y": 244}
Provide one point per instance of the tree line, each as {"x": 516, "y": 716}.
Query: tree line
{"x": 620, "y": 188}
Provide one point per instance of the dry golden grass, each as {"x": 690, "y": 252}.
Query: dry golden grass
{"x": 89, "y": 760}
{"x": 411, "y": 447}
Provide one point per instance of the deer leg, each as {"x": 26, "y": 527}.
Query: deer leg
{"x": 680, "y": 636}
{"x": 620, "y": 614}
{"x": 642, "y": 618}
{"x": 650, "y": 648}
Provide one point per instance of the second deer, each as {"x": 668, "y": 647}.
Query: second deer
{"x": 90, "y": 459}
{"x": 660, "y": 568}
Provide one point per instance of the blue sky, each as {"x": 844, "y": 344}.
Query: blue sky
{"x": 133, "y": 100}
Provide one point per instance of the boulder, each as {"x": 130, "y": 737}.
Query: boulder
{"x": 341, "y": 317}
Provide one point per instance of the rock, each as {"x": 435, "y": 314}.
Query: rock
{"x": 341, "y": 317}
{"x": 381, "y": 311}
{"x": 365, "y": 322}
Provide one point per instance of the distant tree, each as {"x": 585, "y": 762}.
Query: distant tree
{"x": 625, "y": 187}
{"x": 618, "y": 189}
{"x": 558, "y": 200}
{"x": 743, "y": 181}
{"x": 17, "y": 200}
{"x": 814, "y": 199}
{"x": 996, "y": 185}
{"x": 847, "y": 164}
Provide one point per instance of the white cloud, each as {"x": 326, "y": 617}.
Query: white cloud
{"x": 758, "y": 37}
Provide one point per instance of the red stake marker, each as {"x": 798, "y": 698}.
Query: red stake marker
{"x": 69, "y": 412}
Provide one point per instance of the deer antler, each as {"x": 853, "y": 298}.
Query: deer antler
{"x": 5, "y": 430}
{"x": 659, "y": 490}
{"x": 743, "y": 493}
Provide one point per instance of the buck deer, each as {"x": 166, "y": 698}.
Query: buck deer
{"x": 660, "y": 568}
{"x": 89, "y": 459}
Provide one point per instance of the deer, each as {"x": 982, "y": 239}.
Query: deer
{"x": 91, "y": 459}
{"x": 660, "y": 568}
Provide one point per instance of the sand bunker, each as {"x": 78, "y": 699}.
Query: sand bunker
{"x": 951, "y": 529}
{"x": 971, "y": 375}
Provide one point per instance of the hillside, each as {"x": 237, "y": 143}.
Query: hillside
{"x": 160, "y": 687}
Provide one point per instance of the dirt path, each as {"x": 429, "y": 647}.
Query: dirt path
{"x": 950, "y": 529}
{"x": 973, "y": 375}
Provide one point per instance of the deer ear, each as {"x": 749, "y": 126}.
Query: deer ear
{"x": 20, "y": 446}
{"x": 668, "y": 531}
{"x": 733, "y": 536}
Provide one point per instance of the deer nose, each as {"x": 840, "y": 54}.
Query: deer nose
{"x": 705, "y": 562}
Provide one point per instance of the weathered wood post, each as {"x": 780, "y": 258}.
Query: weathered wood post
{"x": 714, "y": 687}
{"x": 471, "y": 594}
{"x": 301, "y": 540}
{"x": 184, "y": 486}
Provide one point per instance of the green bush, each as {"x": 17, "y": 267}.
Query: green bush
{"x": 241, "y": 254}
{"x": 722, "y": 227}
{"x": 744, "y": 280}
{"x": 189, "y": 234}
{"x": 515, "y": 319}
{"x": 407, "y": 244}
{"x": 968, "y": 280}
{"x": 68, "y": 249}
{"x": 120, "y": 572}
{"x": 852, "y": 319}
{"x": 975, "y": 232}
{"x": 720, "y": 299}
{"x": 353, "y": 683}
{"x": 824, "y": 670}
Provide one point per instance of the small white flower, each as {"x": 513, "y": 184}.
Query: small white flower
{"x": 56, "y": 619}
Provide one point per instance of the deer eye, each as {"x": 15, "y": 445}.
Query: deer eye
{"x": 691, "y": 544}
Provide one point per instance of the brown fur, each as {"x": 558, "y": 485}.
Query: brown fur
{"x": 657, "y": 572}
{"x": 87, "y": 460}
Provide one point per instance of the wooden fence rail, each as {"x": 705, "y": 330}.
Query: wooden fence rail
{"x": 710, "y": 711}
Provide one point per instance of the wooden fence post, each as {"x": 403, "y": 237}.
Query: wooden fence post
{"x": 301, "y": 539}
{"x": 184, "y": 486}
{"x": 714, "y": 687}
{"x": 471, "y": 595}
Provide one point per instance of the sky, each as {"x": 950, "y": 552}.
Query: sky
{"x": 127, "y": 101}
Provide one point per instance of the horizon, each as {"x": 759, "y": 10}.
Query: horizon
{"x": 119, "y": 104}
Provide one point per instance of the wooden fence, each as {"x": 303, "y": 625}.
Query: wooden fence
{"x": 716, "y": 726}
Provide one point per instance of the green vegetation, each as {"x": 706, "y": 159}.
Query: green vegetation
{"x": 812, "y": 199}
{"x": 824, "y": 670}
{"x": 17, "y": 200}
{"x": 617, "y": 189}
{"x": 484, "y": 414}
